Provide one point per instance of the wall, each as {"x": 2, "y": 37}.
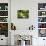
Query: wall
{"x": 23, "y": 24}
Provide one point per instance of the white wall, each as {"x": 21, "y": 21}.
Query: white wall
{"x": 23, "y": 24}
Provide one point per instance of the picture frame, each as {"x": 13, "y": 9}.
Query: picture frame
{"x": 22, "y": 14}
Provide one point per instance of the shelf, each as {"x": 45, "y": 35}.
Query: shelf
{"x": 42, "y": 19}
{"x": 4, "y": 19}
{"x": 3, "y": 10}
{"x": 3, "y": 16}
{"x": 41, "y": 10}
{"x": 41, "y": 22}
{"x": 3, "y": 22}
{"x": 41, "y": 28}
{"x": 42, "y": 16}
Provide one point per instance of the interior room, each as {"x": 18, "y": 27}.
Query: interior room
{"x": 22, "y": 22}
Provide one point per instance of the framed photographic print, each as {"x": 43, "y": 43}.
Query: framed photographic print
{"x": 23, "y": 14}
